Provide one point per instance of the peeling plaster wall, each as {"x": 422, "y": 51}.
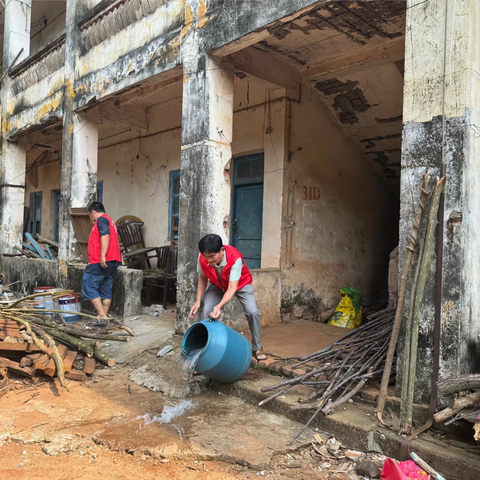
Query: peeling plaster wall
{"x": 344, "y": 214}
{"x": 144, "y": 48}
{"x": 425, "y": 90}
{"x": 48, "y": 110}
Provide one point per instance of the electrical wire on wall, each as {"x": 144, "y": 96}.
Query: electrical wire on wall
{"x": 151, "y": 171}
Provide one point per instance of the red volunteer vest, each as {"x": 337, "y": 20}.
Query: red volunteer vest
{"x": 94, "y": 245}
{"x": 232, "y": 256}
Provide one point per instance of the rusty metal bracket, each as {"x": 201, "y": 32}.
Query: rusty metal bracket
{"x": 3, "y": 185}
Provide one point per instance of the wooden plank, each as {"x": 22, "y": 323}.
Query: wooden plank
{"x": 36, "y": 356}
{"x": 69, "y": 359}
{"x": 3, "y": 383}
{"x": 89, "y": 365}
{"x": 50, "y": 368}
{"x": 4, "y": 362}
{"x": 26, "y": 362}
{"x": 82, "y": 226}
{"x": 42, "y": 362}
{"x": 76, "y": 375}
{"x": 28, "y": 372}
{"x": 13, "y": 332}
{"x": 18, "y": 347}
{"x": 8, "y": 323}
{"x": 36, "y": 246}
{"x": 10, "y": 333}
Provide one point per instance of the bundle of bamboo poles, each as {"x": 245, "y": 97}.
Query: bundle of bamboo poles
{"x": 42, "y": 331}
{"x": 342, "y": 369}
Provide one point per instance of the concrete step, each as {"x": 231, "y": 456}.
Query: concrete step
{"x": 353, "y": 423}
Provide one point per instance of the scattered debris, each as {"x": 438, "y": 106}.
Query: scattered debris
{"x": 465, "y": 391}
{"x": 367, "y": 469}
{"x": 164, "y": 351}
{"x": 329, "y": 462}
{"x": 373, "y": 445}
{"x": 154, "y": 310}
{"x": 425, "y": 466}
{"x": 333, "y": 445}
{"x": 32, "y": 247}
{"x": 354, "y": 455}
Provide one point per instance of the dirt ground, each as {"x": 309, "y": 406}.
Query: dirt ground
{"x": 29, "y": 461}
{"x": 103, "y": 427}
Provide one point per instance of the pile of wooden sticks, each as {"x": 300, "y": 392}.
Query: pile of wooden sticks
{"x": 25, "y": 330}
{"x": 342, "y": 369}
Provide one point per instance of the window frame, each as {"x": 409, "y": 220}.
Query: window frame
{"x": 32, "y": 219}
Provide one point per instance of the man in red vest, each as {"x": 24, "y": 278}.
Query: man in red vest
{"x": 223, "y": 275}
{"x": 103, "y": 259}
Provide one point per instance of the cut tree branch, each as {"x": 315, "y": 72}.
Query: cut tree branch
{"x": 412, "y": 244}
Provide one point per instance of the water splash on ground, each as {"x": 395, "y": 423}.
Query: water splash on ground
{"x": 175, "y": 405}
{"x": 170, "y": 412}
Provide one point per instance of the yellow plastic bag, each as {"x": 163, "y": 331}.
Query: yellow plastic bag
{"x": 348, "y": 314}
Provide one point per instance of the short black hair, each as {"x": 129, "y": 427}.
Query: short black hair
{"x": 210, "y": 243}
{"x": 96, "y": 207}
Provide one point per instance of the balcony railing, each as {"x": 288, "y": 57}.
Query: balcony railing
{"x": 110, "y": 17}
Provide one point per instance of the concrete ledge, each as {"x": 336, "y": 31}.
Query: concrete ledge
{"x": 32, "y": 273}
{"x": 368, "y": 395}
{"x": 127, "y": 289}
{"x": 351, "y": 424}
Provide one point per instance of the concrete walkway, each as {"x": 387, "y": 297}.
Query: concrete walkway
{"x": 298, "y": 338}
{"x": 150, "y": 333}
{"x": 352, "y": 424}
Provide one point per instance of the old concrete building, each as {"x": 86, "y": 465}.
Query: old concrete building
{"x": 296, "y": 129}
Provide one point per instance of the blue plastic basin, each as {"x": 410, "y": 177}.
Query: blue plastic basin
{"x": 226, "y": 354}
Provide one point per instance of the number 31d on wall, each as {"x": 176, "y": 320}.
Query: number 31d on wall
{"x": 310, "y": 193}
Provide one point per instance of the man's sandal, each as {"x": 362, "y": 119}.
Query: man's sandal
{"x": 259, "y": 355}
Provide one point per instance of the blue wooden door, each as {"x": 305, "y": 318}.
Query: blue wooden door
{"x": 247, "y": 223}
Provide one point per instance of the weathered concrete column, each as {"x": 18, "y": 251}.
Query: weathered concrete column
{"x": 207, "y": 123}
{"x": 79, "y": 147}
{"x": 79, "y": 177}
{"x": 16, "y": 47}
{"x": 442, "y": 109}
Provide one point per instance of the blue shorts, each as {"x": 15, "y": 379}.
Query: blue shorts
{"x": 94, "y": 286}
